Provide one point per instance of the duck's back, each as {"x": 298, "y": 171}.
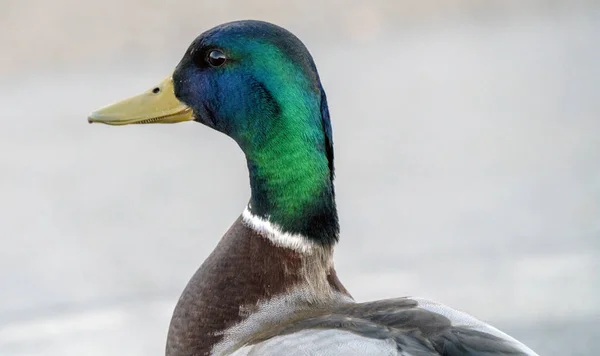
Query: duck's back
{"x": 402, "y": 326}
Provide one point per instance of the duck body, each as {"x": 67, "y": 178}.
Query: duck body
{"x": 270, "y": 286}
{"x": 237, "y": 303}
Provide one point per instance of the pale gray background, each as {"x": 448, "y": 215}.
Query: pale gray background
{"x": 467, "y": 139}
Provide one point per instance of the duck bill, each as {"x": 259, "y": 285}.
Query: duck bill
{"x": 155, "y": 106}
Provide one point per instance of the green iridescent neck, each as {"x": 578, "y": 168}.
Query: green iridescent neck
{"x": 291, "y": 174}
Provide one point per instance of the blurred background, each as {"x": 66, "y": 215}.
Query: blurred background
{"x": 468, "y": 161}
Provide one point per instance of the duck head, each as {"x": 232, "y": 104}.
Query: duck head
{"x": 257, "y": 83}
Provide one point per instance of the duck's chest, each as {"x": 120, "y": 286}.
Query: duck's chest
{"x": 245, "y": 285}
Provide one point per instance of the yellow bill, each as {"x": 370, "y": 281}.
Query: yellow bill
{"x": 156, "y": 106}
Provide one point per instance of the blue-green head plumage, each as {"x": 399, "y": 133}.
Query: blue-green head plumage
{"x": 257, "y": 83}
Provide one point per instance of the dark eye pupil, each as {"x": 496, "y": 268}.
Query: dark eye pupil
{"x": 216, "y": 58}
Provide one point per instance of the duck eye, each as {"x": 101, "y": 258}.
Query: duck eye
{"x": 216, "y": 58}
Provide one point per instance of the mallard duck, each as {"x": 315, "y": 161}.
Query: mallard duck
{"x": 270, "y": 286}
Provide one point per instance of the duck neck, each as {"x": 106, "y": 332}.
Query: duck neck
{"x": 291, "y": 180}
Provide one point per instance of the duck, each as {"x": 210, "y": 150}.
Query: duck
{"x": 270, "y": 287}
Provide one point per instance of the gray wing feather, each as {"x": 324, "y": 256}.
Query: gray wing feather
{"x": 319, "y": 342}
{"x": 403, "y": 326}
